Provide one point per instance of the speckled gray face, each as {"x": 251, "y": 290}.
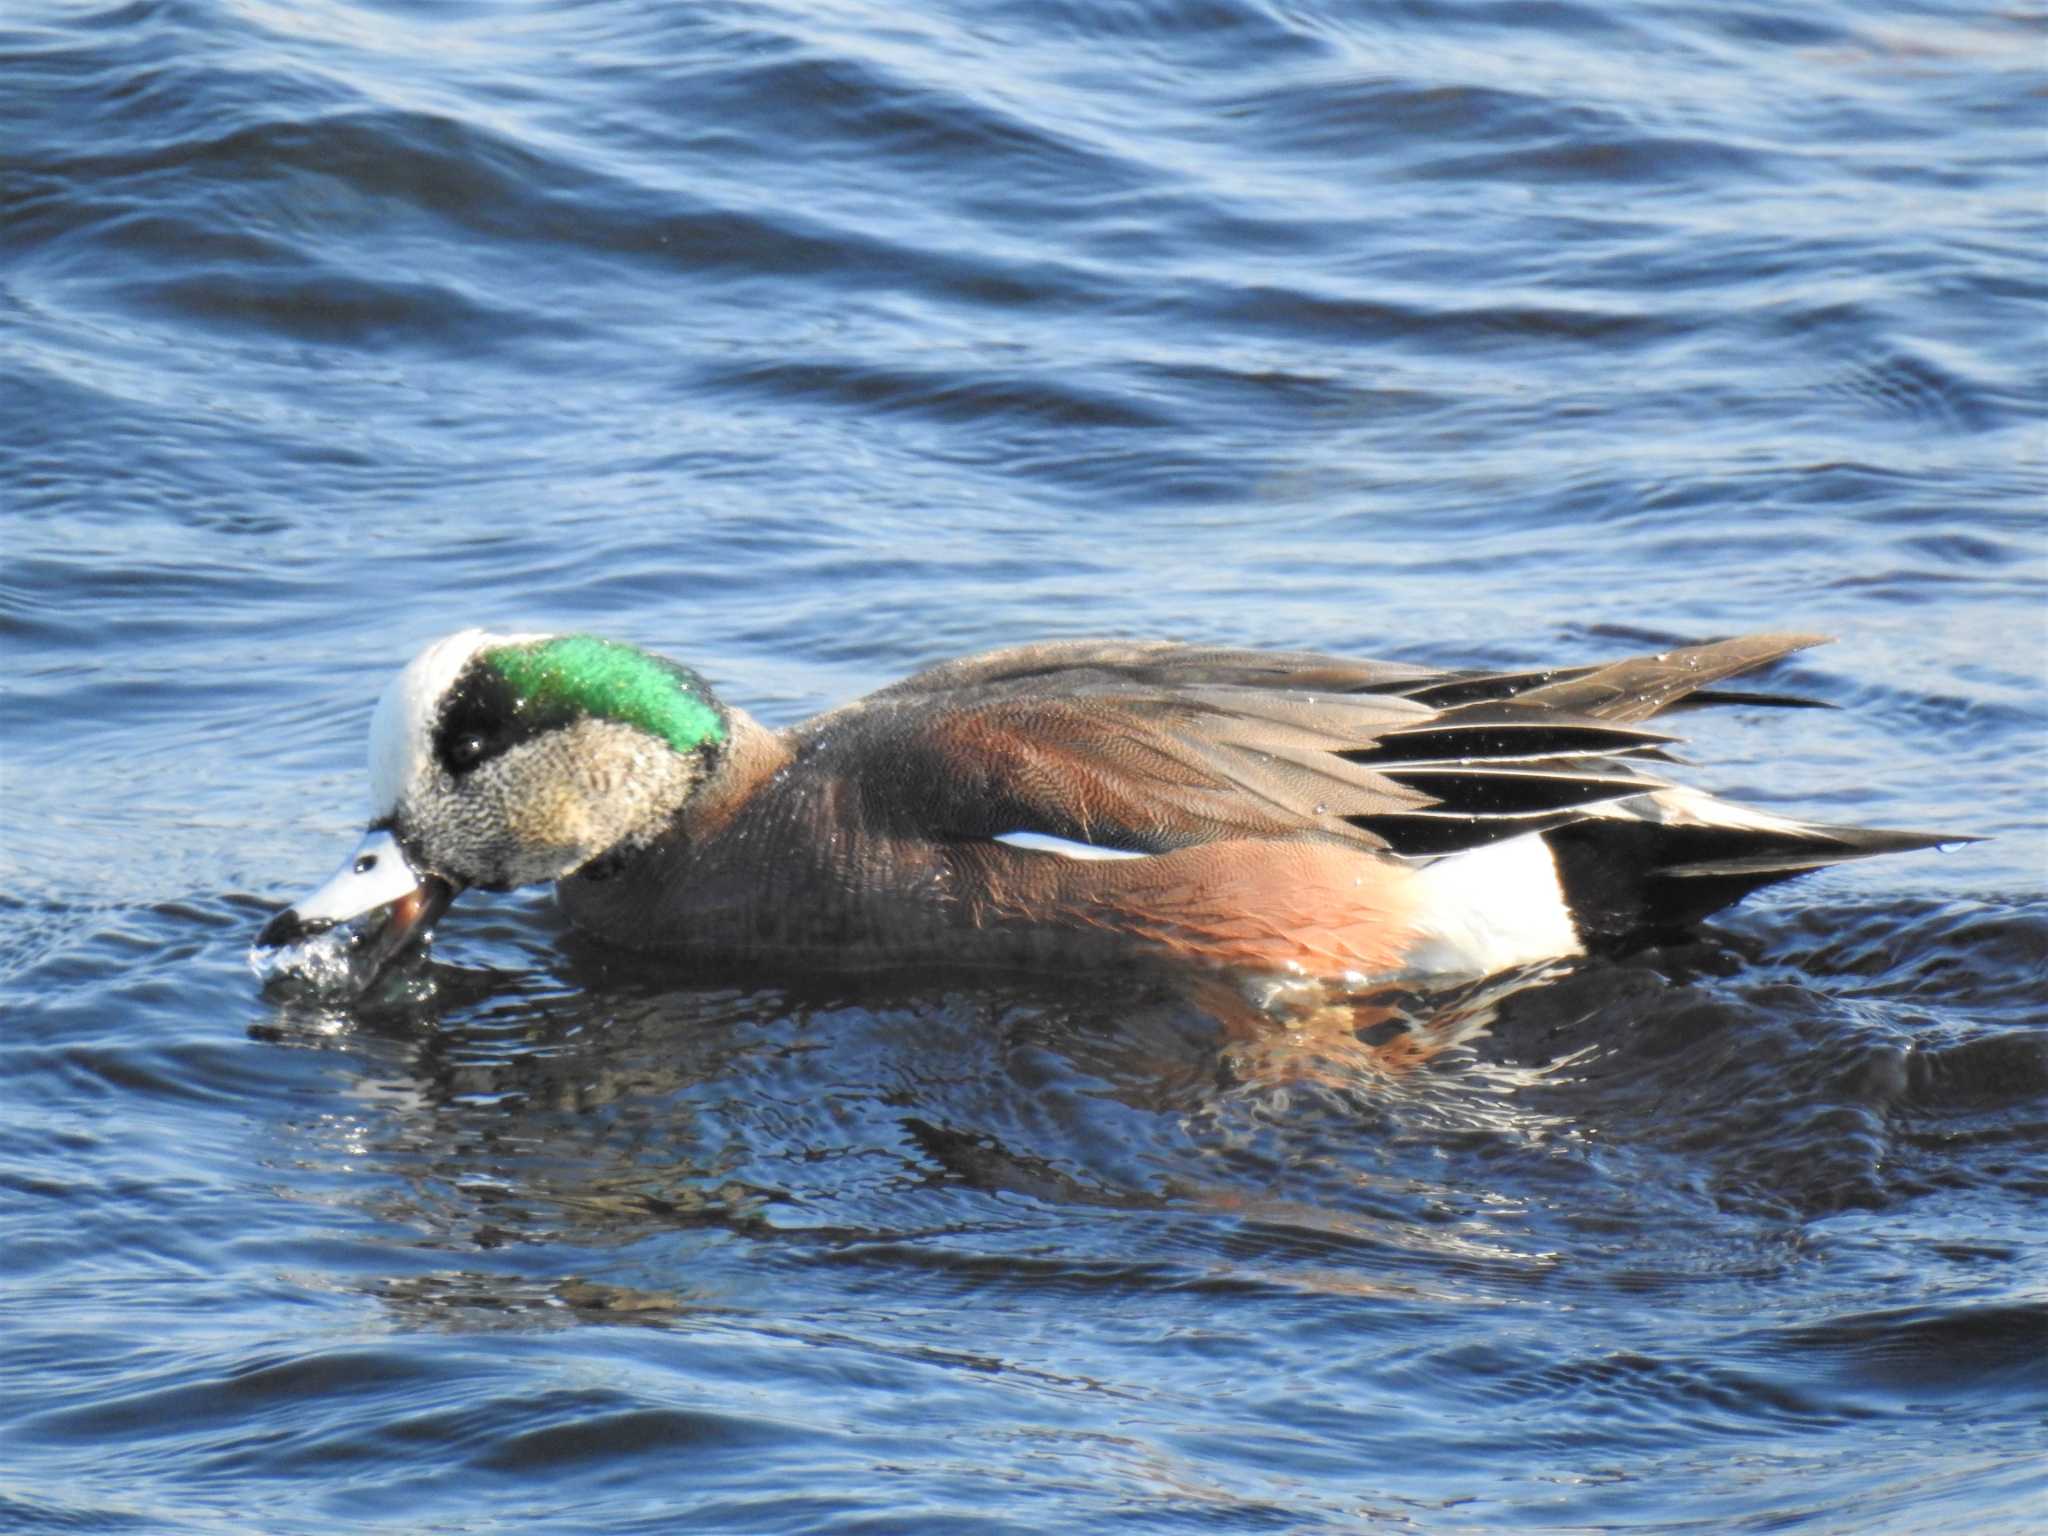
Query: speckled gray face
{"x": 500, "y": 761}
{"x": 544, "y": 807}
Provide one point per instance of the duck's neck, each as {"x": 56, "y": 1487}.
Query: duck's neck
{"x": 634, "y": 893}
{"x": 684, "y": 808}
{"x": 753, "y": 754}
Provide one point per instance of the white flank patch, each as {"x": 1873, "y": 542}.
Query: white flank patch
{"x": 402, "y": 729}
{"x": 1492, "y": 908}
{"x": 1065, "y": 848}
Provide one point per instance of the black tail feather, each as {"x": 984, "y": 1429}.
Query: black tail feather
{"x": 1711, "y": 696}
{"x": 1624, "y": 877}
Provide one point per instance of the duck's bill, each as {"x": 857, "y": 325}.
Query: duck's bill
{"x": 344, "y": 935}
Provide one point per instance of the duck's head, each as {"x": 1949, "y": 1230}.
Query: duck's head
{"x": 505, "y": 760}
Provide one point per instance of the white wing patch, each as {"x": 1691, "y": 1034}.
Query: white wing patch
{"x": 1065, "y": 848}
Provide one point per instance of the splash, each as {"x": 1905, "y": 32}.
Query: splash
{"x": 341, "y": 962}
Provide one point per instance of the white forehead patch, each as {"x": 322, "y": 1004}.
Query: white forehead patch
{"x": 1066, "y": 847}
{"x": 402, "y": 729}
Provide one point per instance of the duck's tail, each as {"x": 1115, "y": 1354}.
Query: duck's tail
{"x": 1641, "y": 686}
{"x": 1666, "y": 859}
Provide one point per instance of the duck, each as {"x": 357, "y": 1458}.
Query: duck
{"x": 1069, "y": 805}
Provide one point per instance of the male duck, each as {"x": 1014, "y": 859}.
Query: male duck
{"x": 1069, "y": 804}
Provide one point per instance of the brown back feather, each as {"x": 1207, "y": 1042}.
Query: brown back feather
{"x": 1152, "y": 746}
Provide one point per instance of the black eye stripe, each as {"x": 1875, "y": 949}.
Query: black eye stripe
{"x": 483, "y": 718}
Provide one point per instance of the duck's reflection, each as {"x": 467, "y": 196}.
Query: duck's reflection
{"x": 574, "y": 1112}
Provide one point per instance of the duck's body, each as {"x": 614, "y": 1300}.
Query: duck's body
{"x": 1053, "y": 806}
{"x": 1078, "y": 805}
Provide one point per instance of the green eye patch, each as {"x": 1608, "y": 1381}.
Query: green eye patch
{"x": 583, "y": 675}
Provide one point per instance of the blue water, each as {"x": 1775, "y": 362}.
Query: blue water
{"x": 811, "y": 342}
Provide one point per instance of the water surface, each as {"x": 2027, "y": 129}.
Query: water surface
{"x": 814, "y": 342}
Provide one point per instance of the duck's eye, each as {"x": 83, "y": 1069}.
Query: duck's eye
{"x": 466, "y": 751}
{"x": 366, "y": 863}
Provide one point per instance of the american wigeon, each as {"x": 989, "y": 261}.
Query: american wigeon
{"x": 1071, "y": 805}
